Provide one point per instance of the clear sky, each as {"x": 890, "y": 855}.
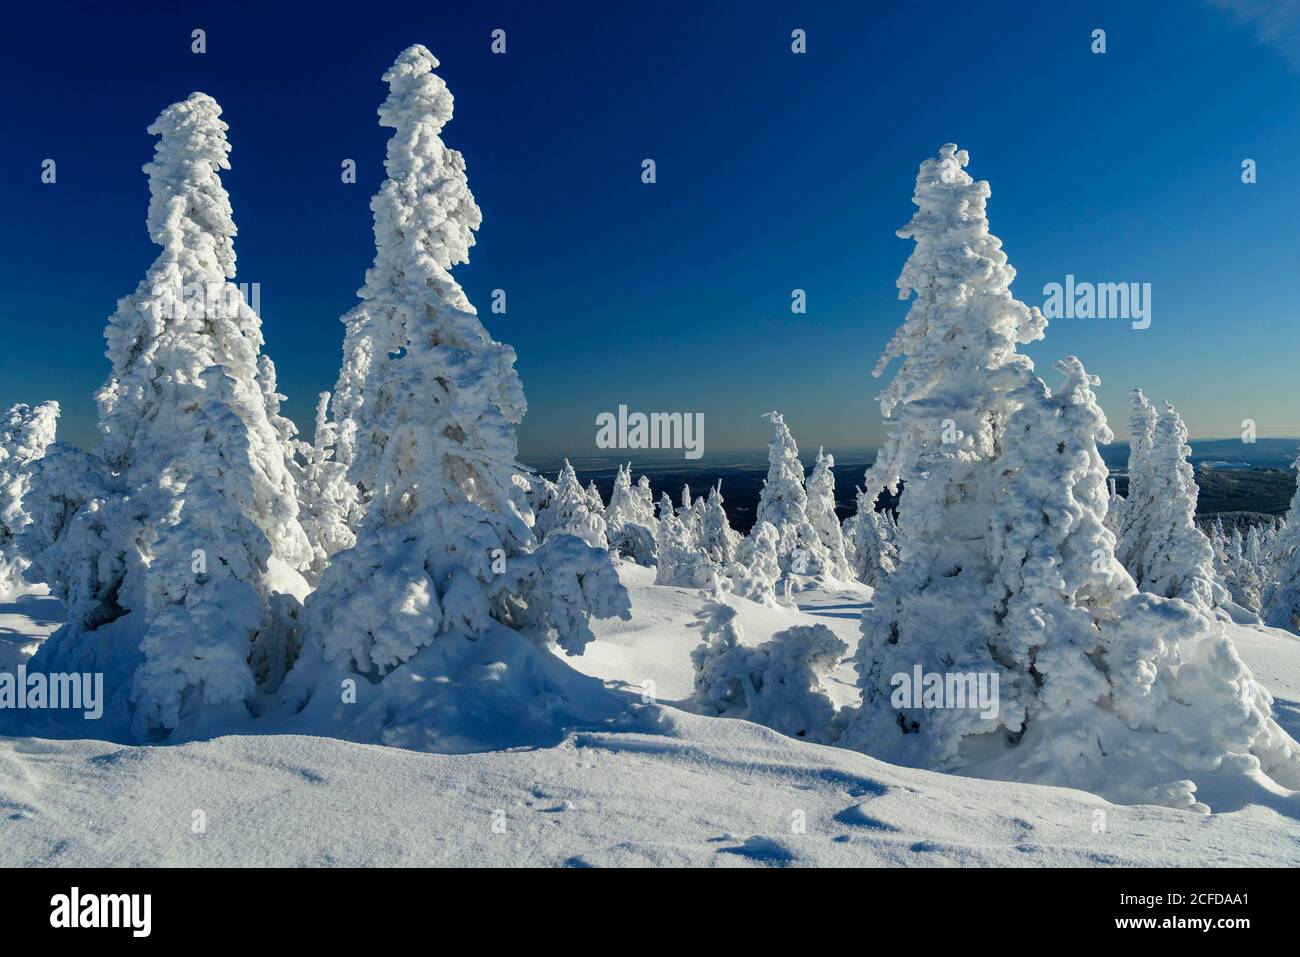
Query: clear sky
{"x": 775, "y": 171}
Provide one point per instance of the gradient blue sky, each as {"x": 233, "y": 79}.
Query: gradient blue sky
{"x": 775, "y": 171}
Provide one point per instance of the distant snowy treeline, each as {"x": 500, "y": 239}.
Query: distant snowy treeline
{"x": 402, "y": 578}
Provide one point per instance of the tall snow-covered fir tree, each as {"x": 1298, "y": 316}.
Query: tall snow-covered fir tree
{"x": 678, "y": 559}
{"x": 944, "y": 411}
{"x": 756, "y": 571}
{"x": 869, "y": 541}
{"x": 446, "y": 575}
{"x": 325, "y": 496}
{"x": 1280, "y": 602}
{"x": 717, "y": 540}
{"x": 1134, "y": 696}
{"x": 821, "y": 513}
{"x": 1239, "y": 564}
{"x": 627, "y": 503}
{"x": 25, "y": 433}
{"x": 185, "y": 520}
{"x": 1135, "y": 509}
{"x": 572, "y": 511}
{"x": 1163, "y": 549}
{"x": 783, "y": 504}
{"x": 646, "y": 494}
{"x": 630, "y": 519}
{"x": 594, "y": 500}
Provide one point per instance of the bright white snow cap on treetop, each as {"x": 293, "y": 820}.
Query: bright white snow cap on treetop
{"x": 187, "y": 198}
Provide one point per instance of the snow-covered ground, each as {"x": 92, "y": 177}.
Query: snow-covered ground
{"x": 685, "y": 790}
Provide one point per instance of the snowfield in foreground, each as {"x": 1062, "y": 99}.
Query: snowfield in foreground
{"x": 688, "y": 790}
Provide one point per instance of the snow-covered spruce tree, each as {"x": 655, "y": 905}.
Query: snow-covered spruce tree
{"x": 944, "y": 412}
{"x": 79, "y": 522}
{"x": 595, "y": 503}
{"x": 325, "y": 495}
{"x": 821, "y": 513}
{"x": 869, "y": 541}
{"x": 677, "y": 559}
{"x": 571, "y": 512}
{"x": 25, "y": 433}
{"x": 1170, "y": 691}
{"x": 755, "y": 573}
{"x": 779, "y": 683}
{"x": 1169, "y": 556}
{"x": 783, "y": 503}
{"x": 337, "y": 501}
{"x": 646, "y": 495}
{"x": 629, "y": 521}
{"x": 1244, "y": 568}
{"x": 1115, "y": 508}
{"x": 446, "y": 600}
{"x": 1251, "y": 571}
{"x": 346, "y": 400}
{"x": 291, "y": 447}
{"x": 1132, "y": 518}
{"x": 186, "y": 521}
{"x": 1267, "y": 543}
{"x": 1100, "y": 687}
{"x": 691, "y": 514}
{"x": 539, "y": 493}
{"x": 1281, "y": 599}
{"x": 717, "y": 540}
{"x": 1220, "y": 546}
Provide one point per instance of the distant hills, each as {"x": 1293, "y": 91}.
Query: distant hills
{"x": 1233, "y": 476}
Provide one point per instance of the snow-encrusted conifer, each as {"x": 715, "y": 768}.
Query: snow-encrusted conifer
{"x": 1167, "y": 554}
{"x": 677, "y": 559}
{"x": 821, "y": 513}
{"x": 944, "y": 412}
{"x": 647, "y": 496}
{"x": 593, "y": 497}
{"x": 630, "y": 522}
{"x": 717, "y": 540}
{"x": 869, "y": 541}
{"x": 1239, "y": 564}
{"x": 1253, "y": 564}
{"x": 539, "y": 493}
{"x": 25, "y": 434}
{"x": 1281, "y": 599}
{"x": 186, "y": 516}
{"x": 1101, "y": 687}
{"x": 756, "y": 571}
{"x": 1115, "y": 510}
{"x": 446, "y": 577}
{"x": 325, "y": 495}
{"x": 783, "y": 503}
{"x": 571, "y": 512}
{"x": 779, "y": 683}
{"x": 1134, "y": 515}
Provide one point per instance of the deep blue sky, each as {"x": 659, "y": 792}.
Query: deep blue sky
{"x": 775, "y": 171}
